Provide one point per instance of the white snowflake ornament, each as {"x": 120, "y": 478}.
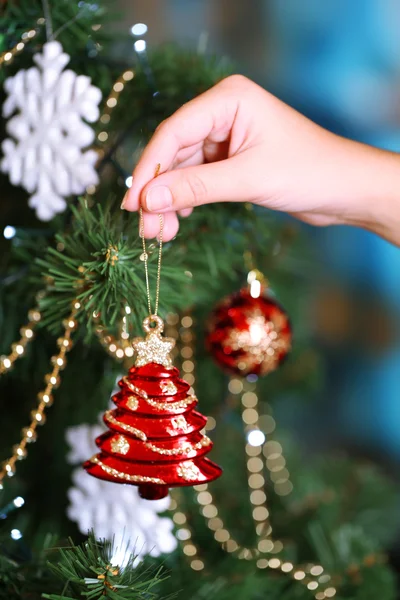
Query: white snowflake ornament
{"x": 115, "y": 511}
{"x": 45, "y": 153}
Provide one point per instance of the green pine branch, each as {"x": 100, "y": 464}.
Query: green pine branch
{"x": 88, "y": 571}
{"x": 100, "y": 263}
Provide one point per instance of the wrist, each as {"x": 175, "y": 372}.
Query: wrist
{"x": 370, "y": 190}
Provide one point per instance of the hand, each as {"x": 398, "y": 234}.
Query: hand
{"x": 238, "y": 143}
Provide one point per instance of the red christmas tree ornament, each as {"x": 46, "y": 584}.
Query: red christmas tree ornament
{"x": 154, "y": 438}
{"x": 249, "y": 332}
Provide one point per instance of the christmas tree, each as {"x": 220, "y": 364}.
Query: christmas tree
{"x": 279, "y": 523}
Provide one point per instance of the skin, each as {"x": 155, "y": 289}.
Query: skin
{"x": 239, "y": 143}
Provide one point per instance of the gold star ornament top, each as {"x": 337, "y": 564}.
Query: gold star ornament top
{"x": 153, "y": 348}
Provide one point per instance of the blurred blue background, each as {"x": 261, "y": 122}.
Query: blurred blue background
{"x": 338, "y": 62}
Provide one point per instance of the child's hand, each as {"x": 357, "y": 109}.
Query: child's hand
{"x": 238, "y": 143}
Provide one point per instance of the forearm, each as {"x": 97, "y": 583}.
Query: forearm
{"x": 368, "y": 186}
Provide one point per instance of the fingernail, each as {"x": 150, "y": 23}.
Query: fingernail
{"x": 158, "y": 198}
{"x": 124, "y": 199}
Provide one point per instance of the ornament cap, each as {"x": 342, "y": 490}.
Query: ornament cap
{"x": 153, "y": 348}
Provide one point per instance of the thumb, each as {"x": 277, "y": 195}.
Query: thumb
{"x": 222, "y": 181}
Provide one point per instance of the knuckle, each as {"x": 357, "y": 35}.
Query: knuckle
{"x": 198, "y": 191}
{"x": 160, "y": 126}
{"x": 237, "y": 80}
{"x": 183, "y": 106}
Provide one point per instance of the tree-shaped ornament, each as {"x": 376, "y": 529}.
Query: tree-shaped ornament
{"x": 155, "y": 438}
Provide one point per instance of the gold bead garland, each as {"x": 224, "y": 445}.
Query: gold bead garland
{"x": 105, "y": 117}
{"x": 27, "y": 334}
{"x": 184, "y": 533}
{"x": 112, "y": 102}
{"x": 44, "y": 397}
{"x": 117, "y": 348}
{"x": 256, "y": 483}
{"x": 7, "y": 56}
{"x": 312, "y": 576}
{"x": 205, "y": 499}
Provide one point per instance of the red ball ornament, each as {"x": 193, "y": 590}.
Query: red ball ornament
{"x": 249, "y": 335}
{"x": 154, "y": 439}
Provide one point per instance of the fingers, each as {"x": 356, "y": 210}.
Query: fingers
{"x": 223, "y": 181}
{"x": 171, "y": 226}
{"x": 151, "y": 226}
{"x": 193, "y": 123}
{"x": 186, "y": 212}
{"x": 193, "y": 155}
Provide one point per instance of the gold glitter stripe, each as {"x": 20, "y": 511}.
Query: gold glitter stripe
{"x": 136, "y": 432}
{"x": 205, "y": 441}
{"x": 156, "y": 403}
{"x": 171, "y": 405}
{"x": 168, "y": 387}
{"x": 125, "y": 476}
{"x": 189, "y": 471}
{"x": 133, "y": 388}
{"x": 132, "y": 403}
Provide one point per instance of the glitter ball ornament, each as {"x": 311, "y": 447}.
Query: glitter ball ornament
{"x": 154, "y": 438}
{"x": 248, "y": 335}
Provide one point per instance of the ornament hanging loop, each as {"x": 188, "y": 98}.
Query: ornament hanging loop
{"x": 49, "y": 22}
{"x": 146, "y": 258}
{"x": 157, "y": 321}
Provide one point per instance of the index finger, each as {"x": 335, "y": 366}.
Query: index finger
{"x": 188, "y": 126}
